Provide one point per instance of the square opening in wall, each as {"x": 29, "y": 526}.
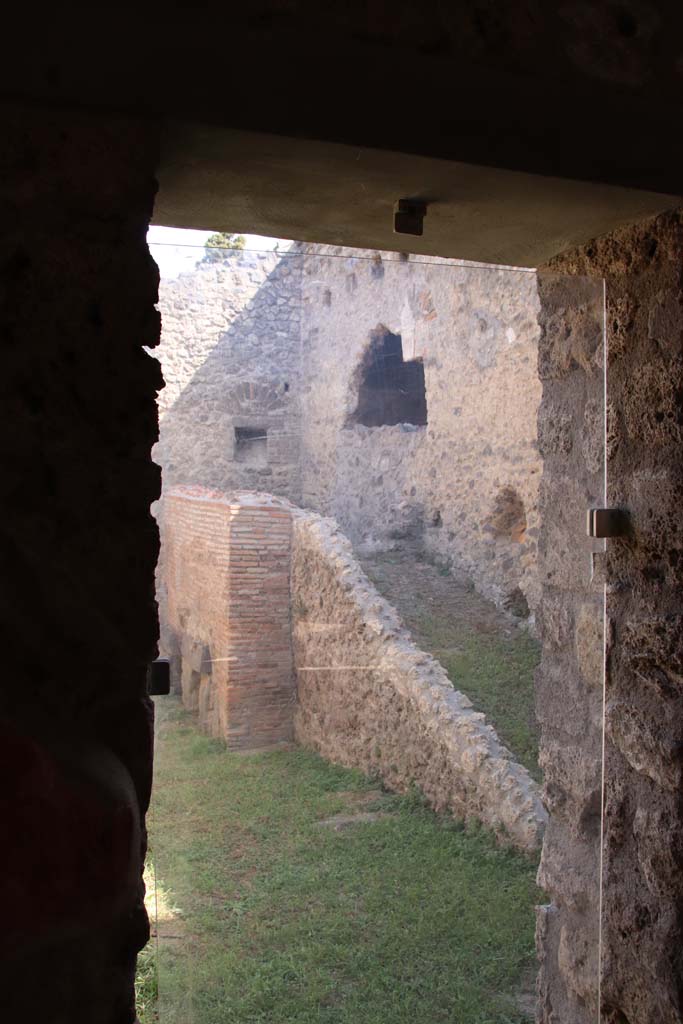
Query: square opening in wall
{"x": 251, "y": 445}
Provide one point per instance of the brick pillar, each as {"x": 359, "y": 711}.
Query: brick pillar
{"x": 259, "y": 689}
{"x": 227, "y": 611}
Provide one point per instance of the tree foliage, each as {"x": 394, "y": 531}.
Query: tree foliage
{"x": 221, "y": 240}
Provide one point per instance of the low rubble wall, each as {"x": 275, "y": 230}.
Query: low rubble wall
{"x": 368, "y": 698}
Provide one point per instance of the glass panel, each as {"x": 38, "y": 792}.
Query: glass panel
{"x": 376, "y": 472}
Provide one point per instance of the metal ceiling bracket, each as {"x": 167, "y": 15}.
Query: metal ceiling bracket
{"x": 159, "y": 678}
{"x": 607, "y": 522}
{"x": 409, "y": 215}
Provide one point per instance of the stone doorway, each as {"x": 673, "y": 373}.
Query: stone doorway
{"x": 391, "y": 484}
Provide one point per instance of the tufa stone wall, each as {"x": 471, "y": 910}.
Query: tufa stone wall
{"x": 569, "y": 681}
{"x": 449, "y": 482}
{"x": 369, "y": 698}
{"x": 227, "y": 613}
{"x": 77, "y": 293}
{"x": 229, "y": 414}
{"x": 277, "y": 343}
{"x": 642, "y": 912}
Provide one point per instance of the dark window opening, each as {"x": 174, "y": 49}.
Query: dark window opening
{"x": 390, "y": 390}
{"x": 251, "y": 445}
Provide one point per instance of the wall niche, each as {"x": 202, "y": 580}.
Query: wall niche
{"x": 251, "y": 446}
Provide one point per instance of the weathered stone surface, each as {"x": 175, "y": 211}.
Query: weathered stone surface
{"x": 476, "y": 332}
{"x": 230, "y": 353}
{"x": 561, "y": 939}
{"x": 571, "y": 327}
{"x": 642, "y": 925}
{"x": 572, "y": 785}
{"x": 369, "y": 698}
{"x": 77, "y": 304}
{"x": 276, "y": 341}
{"x": 569, "y": 682}
{"x": 590, "y": 642}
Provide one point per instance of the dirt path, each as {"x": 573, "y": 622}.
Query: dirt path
{"x": 487, "y": 656}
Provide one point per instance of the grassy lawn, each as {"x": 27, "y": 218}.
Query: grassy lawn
{"x": 497, "y": 674}
{"x": 485, "y": 655}
{"x": 266, "y": 915}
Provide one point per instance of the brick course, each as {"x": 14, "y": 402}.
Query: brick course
{"x": 226, "y": 610}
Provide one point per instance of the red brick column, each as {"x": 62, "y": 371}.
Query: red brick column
{"x": 227, "y": 612}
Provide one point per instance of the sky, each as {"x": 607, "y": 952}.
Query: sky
{"x": 178, "y": 249}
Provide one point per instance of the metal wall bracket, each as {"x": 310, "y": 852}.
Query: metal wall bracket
{"x": 159, "y": 678}
{"x": 409, "y": 215}
{"x": 607, "y": 522}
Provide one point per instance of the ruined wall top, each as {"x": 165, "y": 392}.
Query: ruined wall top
{"x": 265, "y": 356}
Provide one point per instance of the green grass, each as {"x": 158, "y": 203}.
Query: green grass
{"x": 486, "y": 658}
{"x": 269, "y": 917}
{"x": 496, "y": 673}
{"x": 146, "y": 989}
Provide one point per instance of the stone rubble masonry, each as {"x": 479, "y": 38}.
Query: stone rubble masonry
{"x": 476, "y": 331}
{"x": 570, "y": 677}
{"x": 642, "y": 909}
{"x": 369, "y": 698}
{"x": 276, "y": 341}
{"x": 77, "y": 295}
{"x": 337, "y": 670}
{"x": 227, "y": 617}
{"x": 230, "y": 352}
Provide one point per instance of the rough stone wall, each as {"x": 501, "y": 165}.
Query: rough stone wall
{"x": 476, "y": 331}
{"x": 227, "y": 623}
{"x": 236, "y": 333}
{"x": 569, "y": 681}
{"x": 77, "y": 294}
{"x": 230, "y": 358}
{"x": 369, "y": 698}
{"x": 642, "y": 914}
